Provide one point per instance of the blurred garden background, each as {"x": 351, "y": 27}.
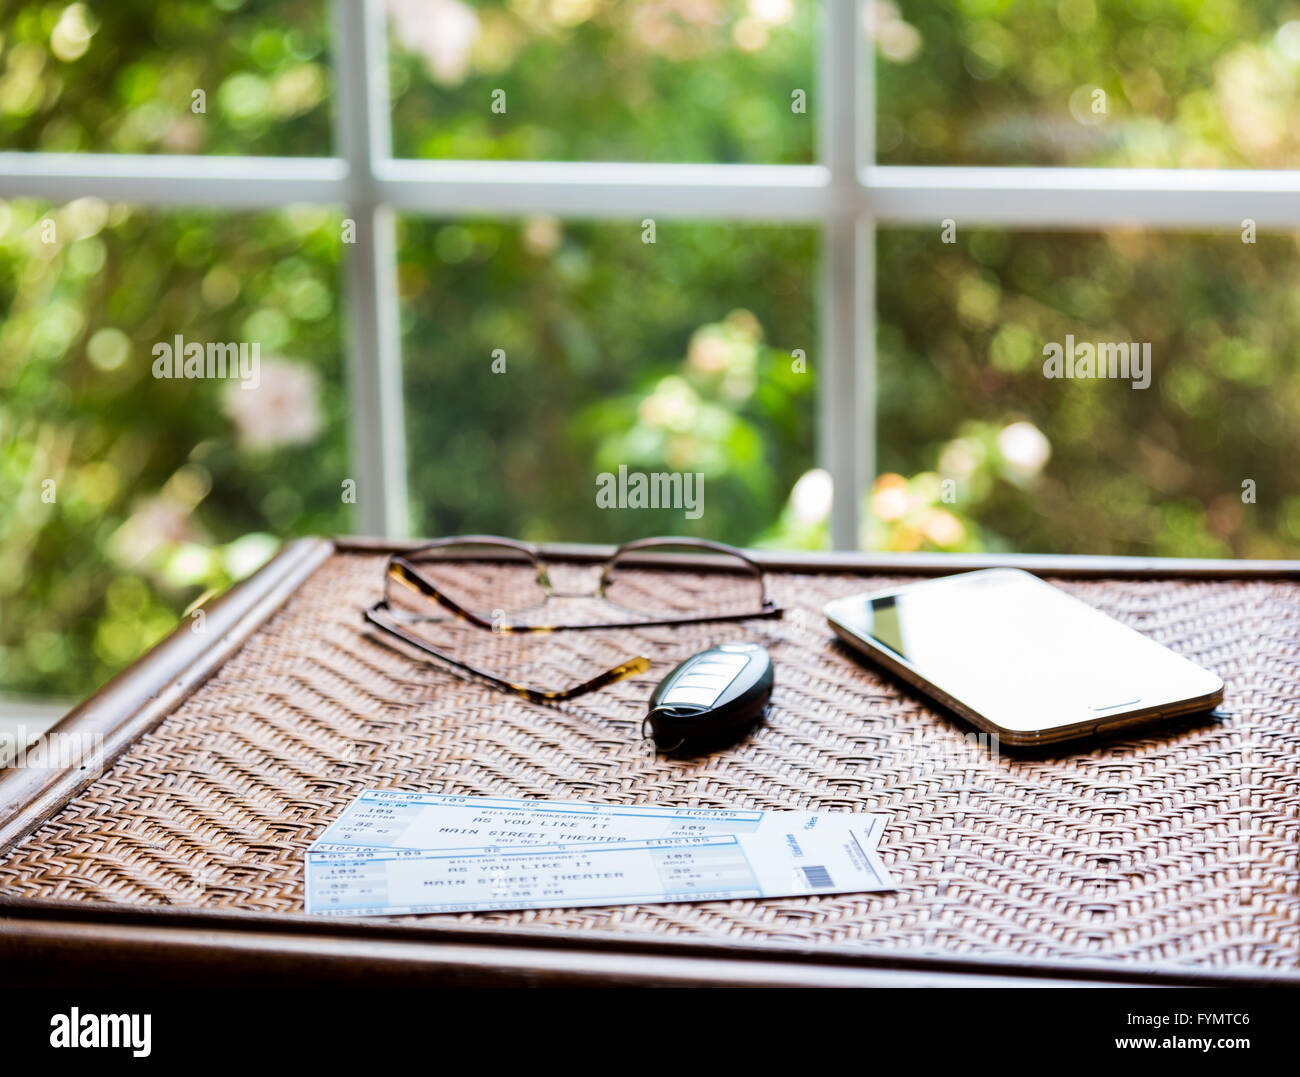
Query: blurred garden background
{"x": 124, "y": 498}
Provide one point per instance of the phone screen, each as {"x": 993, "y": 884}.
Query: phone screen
{"x": 1023, "y": 653}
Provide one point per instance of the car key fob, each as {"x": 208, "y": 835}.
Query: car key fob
{"x": 711, "y": 697}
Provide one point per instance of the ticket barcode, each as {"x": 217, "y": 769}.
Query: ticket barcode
{"x": 817, "y": 876}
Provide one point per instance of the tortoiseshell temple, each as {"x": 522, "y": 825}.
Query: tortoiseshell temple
{"x": 631, "y": 668}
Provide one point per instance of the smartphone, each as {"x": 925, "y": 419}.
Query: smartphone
{"x": 1020, "y": 658}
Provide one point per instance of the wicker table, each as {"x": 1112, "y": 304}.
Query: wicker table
{"x": 1167, "y": 857}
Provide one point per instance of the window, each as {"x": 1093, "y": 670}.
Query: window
{"x": 876, "y": 218}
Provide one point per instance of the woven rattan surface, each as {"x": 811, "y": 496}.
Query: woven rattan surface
{"x": 1179, "y": 846}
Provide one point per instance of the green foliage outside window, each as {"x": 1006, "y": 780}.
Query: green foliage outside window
{"x": 695, "y": 353}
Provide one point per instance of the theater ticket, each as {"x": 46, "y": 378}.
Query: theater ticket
{"x": 834, "y": 856}
{"x": 380, "y": 821}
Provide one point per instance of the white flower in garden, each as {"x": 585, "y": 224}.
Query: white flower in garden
{"x": 542, "y": 235}
{"x": 159, "y": 523}
{"x": 71, "y": 35}
{"x": 728, "y": 350}
{"x": 283, "y": 410}
{"x": 960, "y": 457}
{"x": 896, "y": 39}
{"x": 442, "y": 31}
{"x": 772, "y": 12}
{"x": 676, "y": 28}
{"x": 1287, "y": 40}
{"x": 709, "y": 350}
{"x": 1024, "y": 447}
{"x": 248, "y": 553}
{"x": 811, "y": 497}
{"x": 672, "y": 406}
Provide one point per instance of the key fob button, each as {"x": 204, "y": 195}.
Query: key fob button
{"x": 716, "y": 667}
{"x": 701, "y": 697}
{"x": 697, "y": 680}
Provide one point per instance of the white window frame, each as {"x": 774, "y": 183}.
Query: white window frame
{"x": 844, "y": 193}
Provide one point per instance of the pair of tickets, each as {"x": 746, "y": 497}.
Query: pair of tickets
{"x": 393, "y": 853}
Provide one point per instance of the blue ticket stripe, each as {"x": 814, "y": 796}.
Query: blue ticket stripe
{"x": 497, "y": 852}
{"x": 387, "y": 798}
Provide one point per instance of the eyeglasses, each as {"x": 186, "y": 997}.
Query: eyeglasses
{"x": 504, "y": 587}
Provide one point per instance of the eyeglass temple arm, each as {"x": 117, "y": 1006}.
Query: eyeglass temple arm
{"x": 630, "y": 668}
{"x": 769, "y": 610}
{"x": 405, "y": 573}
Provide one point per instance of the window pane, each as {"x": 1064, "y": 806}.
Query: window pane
{"x": 1089, "y": 82}
{"x": 187, "y": 76}
{"x": 126, "y": 494}
{"x": 1202, "y": 462}
{"x": 541, "y": 356}
{"x": 667, "y": 80}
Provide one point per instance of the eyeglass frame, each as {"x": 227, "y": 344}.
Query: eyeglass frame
{"x": 412, "y": 578}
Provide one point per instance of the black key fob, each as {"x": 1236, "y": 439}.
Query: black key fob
{"x": 711, "y": 697}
